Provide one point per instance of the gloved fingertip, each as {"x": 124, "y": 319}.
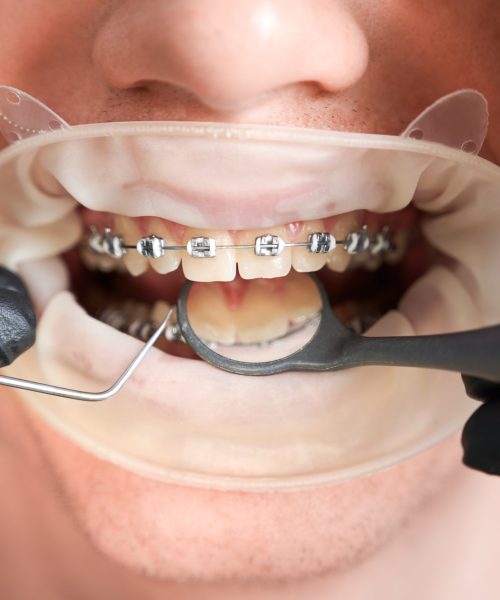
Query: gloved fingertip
{"x": 481, "y": 439}
{"x": 481, "y": 389}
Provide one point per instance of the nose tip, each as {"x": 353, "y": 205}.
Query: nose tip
{"x": 229, "y": 54}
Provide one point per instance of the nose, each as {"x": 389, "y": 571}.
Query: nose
{"x": 229, "y": 53}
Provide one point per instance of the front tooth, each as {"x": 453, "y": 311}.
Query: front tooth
{"x": 171, "y": 259}
{"x": 260, "y": 318}
{"x": 338, "y": 260}
{"x": 221, "y": 267}
{"x": 304, "y": 261}
{"x": 251, "y": 266}
{"x": 131, "y": 234}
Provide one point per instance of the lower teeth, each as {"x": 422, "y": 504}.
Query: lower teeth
{"x": 272, "y": 308}
{"x": 138, "y": 320}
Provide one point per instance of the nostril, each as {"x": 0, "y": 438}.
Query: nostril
{"x": 236, "y": 53}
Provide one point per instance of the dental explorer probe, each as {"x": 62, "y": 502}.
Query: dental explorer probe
{"x": 17, "y": 334}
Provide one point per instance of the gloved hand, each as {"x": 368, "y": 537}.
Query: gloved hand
{"x": 481, "y": 434}
{"x": 17, "y": 318}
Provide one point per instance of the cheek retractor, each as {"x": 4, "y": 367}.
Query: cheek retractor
{"x": 23, "y": 116}
{"x": 458, "y": 120}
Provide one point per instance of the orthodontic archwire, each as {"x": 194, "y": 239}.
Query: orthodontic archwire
{"x": 131, "y": 321}
{"x": 268, "y": 244}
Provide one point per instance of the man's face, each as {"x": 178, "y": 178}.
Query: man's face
{"x": 340, "y": 65}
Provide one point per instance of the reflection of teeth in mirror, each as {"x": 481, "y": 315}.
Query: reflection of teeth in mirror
{"x": 266, "y": 309}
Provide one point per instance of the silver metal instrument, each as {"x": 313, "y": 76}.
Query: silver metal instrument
{"x": 43, "y": 388}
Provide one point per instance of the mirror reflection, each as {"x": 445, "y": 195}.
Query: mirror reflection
{"x": 255, "y": 320}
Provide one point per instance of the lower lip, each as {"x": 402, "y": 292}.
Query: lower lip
{"x": 181, "y": 420}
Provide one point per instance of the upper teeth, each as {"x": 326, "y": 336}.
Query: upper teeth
{"x": 153, "y": 246}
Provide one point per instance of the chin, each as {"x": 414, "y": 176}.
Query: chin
{"x": 186, "y": 534}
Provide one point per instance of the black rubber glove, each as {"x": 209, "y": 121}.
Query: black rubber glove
{"x": 17, "y": 318}
{"x": 481, "y": 434}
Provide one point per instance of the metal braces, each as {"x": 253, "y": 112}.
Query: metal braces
{"x": 268, "y": 244}
{"x": 130, "y": 319}
{"x": 133, "y": 320}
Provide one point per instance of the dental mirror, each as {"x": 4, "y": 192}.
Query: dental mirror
{"x": 322, "y": 343}
{"x": 244, "y": 334}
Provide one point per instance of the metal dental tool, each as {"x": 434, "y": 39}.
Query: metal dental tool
{"x": 17, "y": 334}
{"x": 330, "y": 346}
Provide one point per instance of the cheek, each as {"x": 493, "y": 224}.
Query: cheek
{"x": 188, "y": 534}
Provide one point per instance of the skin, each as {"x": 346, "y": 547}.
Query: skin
{"x": 347, "y": 65}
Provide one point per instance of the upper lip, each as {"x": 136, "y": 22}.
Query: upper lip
{"x": 188, "y": 179}
{"x": 227, "y": 210}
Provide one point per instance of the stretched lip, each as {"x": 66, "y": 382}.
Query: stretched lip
{"x": 225, "y": 208}
{"x": 270, "y": 179}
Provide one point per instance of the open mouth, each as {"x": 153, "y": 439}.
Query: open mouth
{"x": 180, "y": 418}
{"x": 245, "y": 296}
